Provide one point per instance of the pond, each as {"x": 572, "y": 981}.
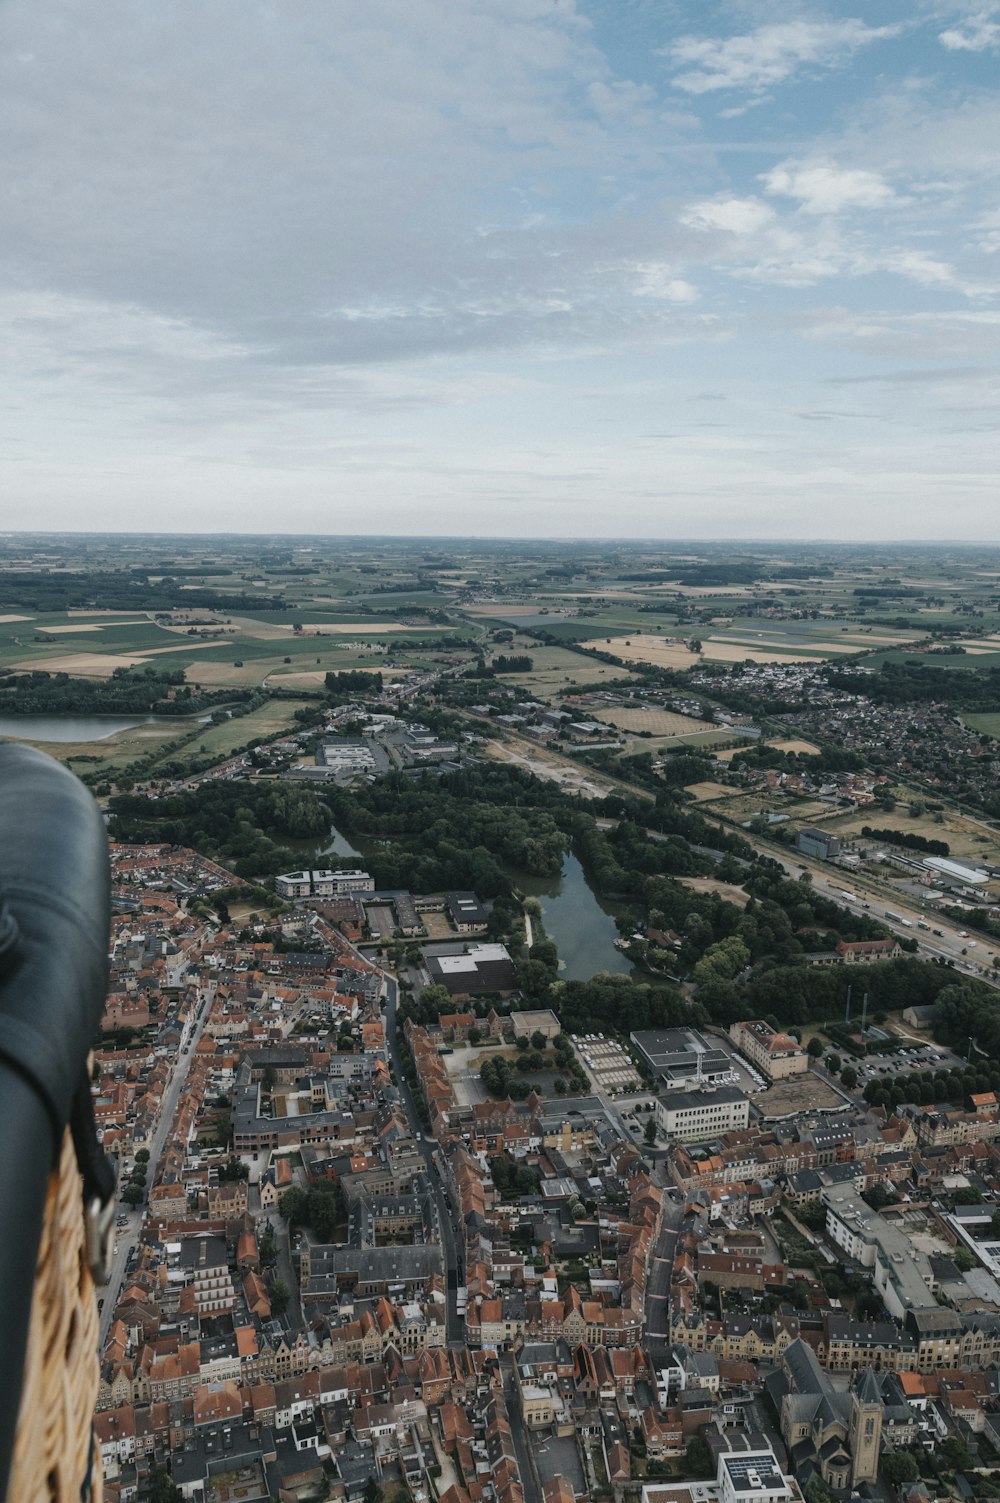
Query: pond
{"x": 69, "y": 728}
{"x": 581, "y": 924}
{"x": 317, "y": 851}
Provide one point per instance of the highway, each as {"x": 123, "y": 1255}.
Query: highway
{"x": 973, "y": 953}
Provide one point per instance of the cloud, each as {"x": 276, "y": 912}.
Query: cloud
{"x": 736, "y": 216}
{"x": 759, "y": 59}
{"x": 979, "y": 34}
{"x": 824, "y": 188}
{"x": 658, "y": 281}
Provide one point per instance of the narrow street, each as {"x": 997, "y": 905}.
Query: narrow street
{"x": 128, "y": 1237}
{"x": 455, "y": 1326}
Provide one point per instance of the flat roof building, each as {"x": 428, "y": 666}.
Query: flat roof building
{"x": 682, "y": 1057}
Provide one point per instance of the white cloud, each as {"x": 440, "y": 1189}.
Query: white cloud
{"x": 653, "y": 279}
{"x": 979, "y": 34}
{"x": 824, "y": 188}
{"x": 770, "y": 54}
{"x": 737, "y": 216}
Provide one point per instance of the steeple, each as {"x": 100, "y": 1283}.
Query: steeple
{"x": 865, "y": 1428}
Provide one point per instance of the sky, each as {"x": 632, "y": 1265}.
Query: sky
{"x": 524, "y": 268}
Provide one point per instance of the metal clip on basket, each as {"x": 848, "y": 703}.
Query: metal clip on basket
{"x": 57, "y": 1226}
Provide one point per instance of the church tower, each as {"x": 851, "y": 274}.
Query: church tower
{"x": 865, "y": 1428}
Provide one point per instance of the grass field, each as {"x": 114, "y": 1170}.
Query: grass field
{"x": 220, "y": 740}
{"x": 966, "y": 838}
{"x": 657, "y": 722}
{"x": 988, "y": 724}
{"x": 556, "y": 668}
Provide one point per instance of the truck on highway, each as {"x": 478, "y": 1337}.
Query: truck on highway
{"x": 896, "y": 917}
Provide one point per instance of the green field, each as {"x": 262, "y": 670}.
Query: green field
{"x": 988, "y": 724}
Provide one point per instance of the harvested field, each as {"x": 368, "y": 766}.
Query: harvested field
{"x": 8, "y": 618}
{"x": 646, "y": 649}
{"x": 359, "y": 628}
{"x": 702, "y": 792}
{"x": 725, "y": 890}
{"x": 86, "y": 664}
{"x": 75, "y": 627}
{"x": 802, "y": 748}
{"x": 657, "y": 722}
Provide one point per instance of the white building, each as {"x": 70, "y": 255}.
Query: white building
{"x": 323, "y": 884}
{"x": 693, "y": 1116}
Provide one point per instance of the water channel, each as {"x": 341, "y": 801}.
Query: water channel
{"x": 80, "y": 728}
{"x": 582, "y": 925}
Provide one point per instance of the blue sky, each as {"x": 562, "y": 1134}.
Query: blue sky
{"x": 643, "y": 268}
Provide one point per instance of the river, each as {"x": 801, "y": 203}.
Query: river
{"x": 582, "y": 925}
{"x": 80, "y": 728}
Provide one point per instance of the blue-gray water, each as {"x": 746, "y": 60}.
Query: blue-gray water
{"x": 582, "y": 927}
{"x": 54, "y": 728}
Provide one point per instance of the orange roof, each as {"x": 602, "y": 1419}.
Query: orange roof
{"x": 246, "y": 1341}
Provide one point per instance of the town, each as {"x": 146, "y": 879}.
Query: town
{"x": 535, "y": 1076}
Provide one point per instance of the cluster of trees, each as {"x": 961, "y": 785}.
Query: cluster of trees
{"x": 808, "y": 994}
{"x": 619, "y": 1004}
{"x": 906, "y": 838}
{"x": 462, "y": 830}
{"x": 828, "y": 759}
{"x": 513, "y": 1179}
{"x": 49, "y": 591}
{"x": 500, "y": 1079}
{"x": 321, "y": 1208}
{"x": 238, "y": 824}
{"x": 126, "y": 692}
{"x": 352, "y": 682}
{"x": 914, "y": 682}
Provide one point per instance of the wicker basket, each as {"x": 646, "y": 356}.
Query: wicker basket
{"x": 54, "y": 1452}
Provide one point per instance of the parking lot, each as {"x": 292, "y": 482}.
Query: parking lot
{"x": 912, "y": 1057}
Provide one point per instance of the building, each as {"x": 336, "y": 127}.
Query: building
{"x": 827, "y": 1431}
{"x": 777, "y": 1055}
{"x": 476, "y": 970}
{"x": 903, "y": 1274}
{"x": 954, "y": 871}
{"x": 818, "y": 843}
{"x": 323, "y": 884}
{"x": 682, "y": 1057}
{"x": 693, "y": 1116}
{"x": 541, "y": 1020}
{"x": 466, "y": 912}
{"x": 751, "y": 1477}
